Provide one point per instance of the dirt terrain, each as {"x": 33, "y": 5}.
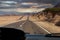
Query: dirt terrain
{"x": 50, "y": 26}
{"x": 8, "y": 19}
{"x": 55, "y": 19}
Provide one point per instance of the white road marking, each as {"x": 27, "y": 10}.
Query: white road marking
{"x": 22, "y": 24}
{"x": 43, "y": 29}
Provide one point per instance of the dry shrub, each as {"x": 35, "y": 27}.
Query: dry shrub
{"x": 57, "y": 23}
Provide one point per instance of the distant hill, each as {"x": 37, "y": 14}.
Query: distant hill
{"x": 13, "y": 13}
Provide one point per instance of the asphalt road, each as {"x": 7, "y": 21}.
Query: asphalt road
{"x": 27, "y": 26}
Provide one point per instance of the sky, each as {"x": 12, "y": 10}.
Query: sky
{"x": 38, "y": 1}
{"x": 26, "y": 5}
{"x": 53, "y": 2}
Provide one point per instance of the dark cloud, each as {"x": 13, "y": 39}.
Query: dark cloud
{"x": 40, "y": 1}
{"x": 27, "y": 6}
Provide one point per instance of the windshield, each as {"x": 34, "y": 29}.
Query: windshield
{"x": 31, "y": 16}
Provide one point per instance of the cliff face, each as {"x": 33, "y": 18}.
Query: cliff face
{"x": 49, "y": 17}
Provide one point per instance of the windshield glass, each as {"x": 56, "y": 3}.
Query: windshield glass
{"x": 31, "y": 16}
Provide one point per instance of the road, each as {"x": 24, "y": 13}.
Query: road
{"x": 27, "y": 26}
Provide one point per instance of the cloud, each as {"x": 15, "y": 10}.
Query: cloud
{"x": 34, "y": 5}
{"x": 24, "y": 6}
{"x": 8, "y": 2}
{"x": 4, "y": 5}
{"x": 29, "y": 3}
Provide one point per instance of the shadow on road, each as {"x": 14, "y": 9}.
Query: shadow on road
{"x": 32, "y": 28}
{"x": 14, "y": 25}
{"x": 28, "y": 27}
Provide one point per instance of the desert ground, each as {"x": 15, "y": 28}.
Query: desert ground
{"x": 5, "y": 20}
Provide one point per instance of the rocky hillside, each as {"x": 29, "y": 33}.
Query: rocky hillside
{"x": 51, "y": 15}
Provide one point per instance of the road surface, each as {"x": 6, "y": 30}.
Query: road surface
{"x": 27, "y": 26}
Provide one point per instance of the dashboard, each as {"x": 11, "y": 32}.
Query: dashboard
{"x": 40, "y": 37}
{"x": 8, "y": 31}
